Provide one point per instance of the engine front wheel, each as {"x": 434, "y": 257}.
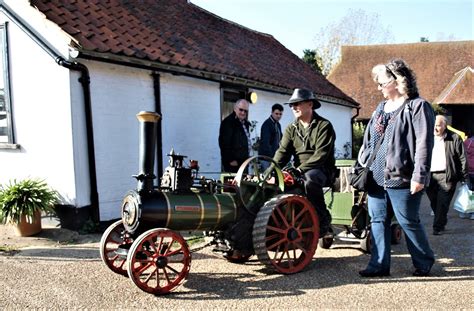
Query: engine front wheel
{"x": 159, "y": 261}
{"x": 286, "y": 233}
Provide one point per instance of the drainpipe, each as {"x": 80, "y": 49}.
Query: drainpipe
{"x": 352, "y": 129}
{"x": 355, "y": 116}
{"x": 159, "y": 138}
{"x": 84, "y": 80}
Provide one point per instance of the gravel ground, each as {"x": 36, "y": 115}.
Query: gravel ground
{"x": 60, "y": 269}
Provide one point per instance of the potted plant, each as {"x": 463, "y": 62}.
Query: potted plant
{"x": 22, "y": 202}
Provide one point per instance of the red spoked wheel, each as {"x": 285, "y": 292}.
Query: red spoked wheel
{"x": 366, "y": 243}
{"x": 113, "y": 247}
{"x": 286, "y": 233}
{"x": 396, "y": 233}
{"x": 159, "y": 261}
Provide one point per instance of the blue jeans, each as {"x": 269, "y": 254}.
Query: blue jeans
{"x": 406, "y": 208}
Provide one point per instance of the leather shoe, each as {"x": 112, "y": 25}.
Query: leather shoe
{"x": 326, "y": 231}
{"x": 421, "y": 272}
{"x": 369, "y": 273}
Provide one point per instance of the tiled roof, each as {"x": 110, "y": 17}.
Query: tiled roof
{"x": 460, "y": 90}
{"x": 434, "y": 64}
{"x": 179, "y": 33}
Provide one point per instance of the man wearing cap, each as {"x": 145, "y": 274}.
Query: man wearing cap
{"x": 310, "y": 141}
{"x": 234, "y": 137}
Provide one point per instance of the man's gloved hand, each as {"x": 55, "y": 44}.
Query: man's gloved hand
{"x": 295, "y": 172}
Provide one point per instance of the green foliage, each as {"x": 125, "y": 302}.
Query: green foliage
{"x": 311, "y": 58}
{"x": 25, "y": 197}
{"x": 358, "y": 129}
{"x": 89, "y": 227}
{"x": 438, "y": 109}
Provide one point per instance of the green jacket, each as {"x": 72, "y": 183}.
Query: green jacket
{"x": 311, "y": 148}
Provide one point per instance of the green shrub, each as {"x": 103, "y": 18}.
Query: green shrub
{"x": 358, "y": 129}
{"x": 25, "y": 197}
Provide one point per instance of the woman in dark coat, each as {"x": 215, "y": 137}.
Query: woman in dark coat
{"x": 401, "y": 168}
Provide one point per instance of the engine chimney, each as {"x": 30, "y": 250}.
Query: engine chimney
{"x": 148, "y": 122}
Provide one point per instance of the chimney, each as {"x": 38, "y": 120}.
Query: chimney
{"x": 148, "y": 124}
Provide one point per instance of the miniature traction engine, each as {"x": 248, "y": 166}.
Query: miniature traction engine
{"x": 254, "y": 214}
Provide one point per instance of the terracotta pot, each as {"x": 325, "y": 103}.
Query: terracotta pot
{"x": 23, "y": 228}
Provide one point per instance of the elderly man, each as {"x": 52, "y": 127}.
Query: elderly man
{"x": 448, "y": 166}
{"x": 234, "y": 137}
{"x": 309, "y": 140}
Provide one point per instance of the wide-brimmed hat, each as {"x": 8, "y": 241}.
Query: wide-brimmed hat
{"x": 301, "y": 95}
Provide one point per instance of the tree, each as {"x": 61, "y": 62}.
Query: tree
{"x": 311, "y": 57}
{"x": 355, "y": 28}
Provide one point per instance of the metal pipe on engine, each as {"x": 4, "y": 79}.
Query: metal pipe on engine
{"x": 148, "y": 124}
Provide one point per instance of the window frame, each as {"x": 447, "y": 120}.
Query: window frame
{"x": 5, "y": 58}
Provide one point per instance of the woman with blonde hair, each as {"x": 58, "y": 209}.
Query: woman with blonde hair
{"x": 401, "y": 133}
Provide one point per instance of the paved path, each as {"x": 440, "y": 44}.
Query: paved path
{"x": 61, "y": 269}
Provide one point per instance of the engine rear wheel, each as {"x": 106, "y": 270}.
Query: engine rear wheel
{"x": 159, "y": 261}
{"x": 286, "y": 233}
{"x": 113, "y": 248}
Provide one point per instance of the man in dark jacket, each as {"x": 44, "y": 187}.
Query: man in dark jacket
{"x": 234, "y": 137}
{"x": 310, "y": 141}
{"x": 448, "y": 167}
{"x": 270, "y": 132}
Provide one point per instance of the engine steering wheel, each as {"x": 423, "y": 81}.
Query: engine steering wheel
{"x": 258, "y": 179}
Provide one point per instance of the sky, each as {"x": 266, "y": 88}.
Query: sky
{"x": 295, "y": 23}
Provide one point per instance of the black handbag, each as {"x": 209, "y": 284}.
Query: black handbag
{"x": 360, "y": 176}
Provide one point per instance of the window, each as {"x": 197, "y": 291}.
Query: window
{"x": 6, "y": 129}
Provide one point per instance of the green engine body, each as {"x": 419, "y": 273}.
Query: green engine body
{"x": 178, "y": 211}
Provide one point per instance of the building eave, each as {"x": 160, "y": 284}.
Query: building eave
{"x": 196, "y": 73}
{"x": 178, "y": 70}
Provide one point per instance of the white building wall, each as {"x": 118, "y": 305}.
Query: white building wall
{"x": 40, "y": 94}
{"x": 191, "y": 119}
{"x": 118, "y": 93}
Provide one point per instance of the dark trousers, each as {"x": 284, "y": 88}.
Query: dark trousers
{"x": 315, "y": 180}
{"x": 231, "y": 169}
{"x": 440, "y": 194}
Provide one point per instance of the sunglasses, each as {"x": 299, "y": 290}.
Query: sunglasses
{"x": 383, "y": 85}
{"x": 243, "y": 110}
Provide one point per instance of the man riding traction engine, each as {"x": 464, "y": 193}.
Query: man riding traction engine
{"x": 281, "y": 229}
